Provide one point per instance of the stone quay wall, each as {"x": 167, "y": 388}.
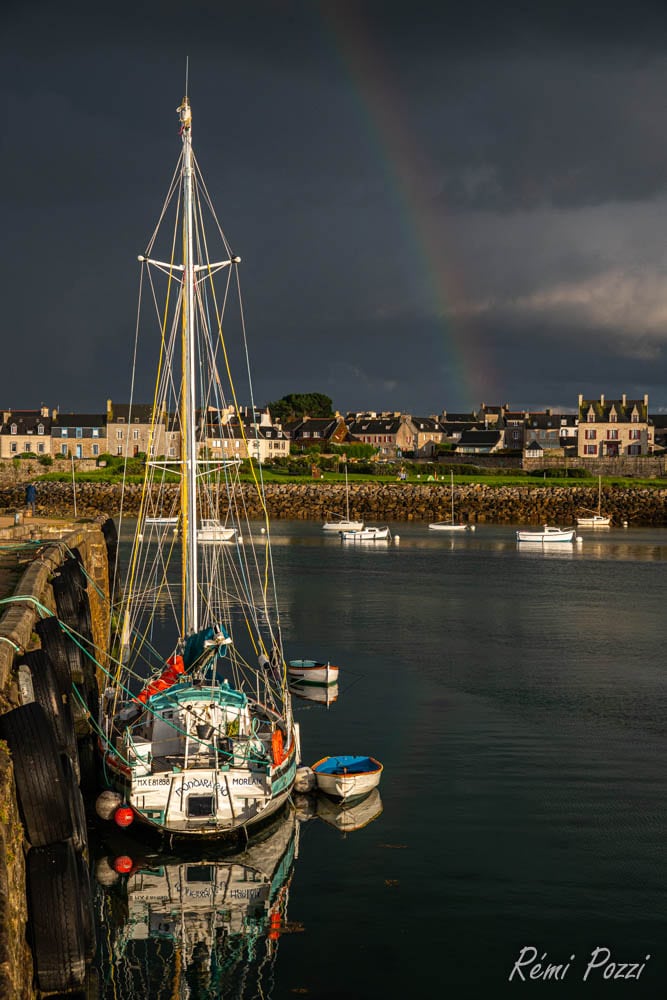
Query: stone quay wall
{"x": 395, "y": 501}
{"x": 17, "y": 621}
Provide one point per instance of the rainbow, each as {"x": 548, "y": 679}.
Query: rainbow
{"x": 405, "y": 165}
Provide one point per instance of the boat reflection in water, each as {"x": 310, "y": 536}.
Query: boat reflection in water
{"x": 204, "y": 927}
{"x": 324, "y": 695}
{"x": 348, "y": 818}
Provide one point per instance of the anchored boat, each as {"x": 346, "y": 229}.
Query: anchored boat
{"x": 196, "y": 731}
{"x": 347, "y": 777}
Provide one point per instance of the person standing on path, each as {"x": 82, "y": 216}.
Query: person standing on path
{"x": 30, "y": 497}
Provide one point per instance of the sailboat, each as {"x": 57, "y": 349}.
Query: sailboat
{"x": 344, "y": 523}
{"x": 452, "y": 524}
{"x": 595, "y": 519}
{"x": 196, "y": 726}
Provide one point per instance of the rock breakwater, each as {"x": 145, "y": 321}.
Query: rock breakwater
{"x": 476, "y": 503}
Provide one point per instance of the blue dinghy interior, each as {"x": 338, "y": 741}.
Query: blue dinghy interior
{"x": 345, "y": 764}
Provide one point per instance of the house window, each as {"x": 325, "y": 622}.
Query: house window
{"x": 40, "y": 428}
{"x": 135, "y": 435}
{"x": 96, "y": 449}
{"x": 79, "y": 432}
{"x": 96, "y": 432}
{"x": 119, "y": 449}
{"x": 40, "y": 448}
{"x": 591, "y": 418}
{"x": 119, "y": 437}
{"x": 613, "y": 417}
{"x": 172, "y": 451}
{"x": 634, "y": 418}
{"x": 612, "y": 435}
{"x": 121, "y": 420}
{"x": 634, "y": 449}
{"x": 63, "y": 432}
{"x": 13, "y": 428}
{"x": 590, "y": 449}
{"x": 635, "y": 434}
{"x": 14, "y": 447}
{"x": 590, "y": 435}
{"x": 63, "y": 449}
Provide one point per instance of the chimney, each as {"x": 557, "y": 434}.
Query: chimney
{"x": 109, "y": 410}
{"x": 601, "y": 399}
{"x": 581, "y": 400}
{"x": 623, "y": 400}
{"x": 646, "y": 400}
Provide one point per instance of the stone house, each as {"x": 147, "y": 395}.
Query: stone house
{"x": 26, "y": 431}
{"x": 614, "y": 428}
{"x": 478, "y": 442}
{"x": 392, "y": 434}
{"x": 247, "y": 434}
{"x": 428, "y": 435}
{"x": 131, "y": 431}
{"x": 78, "y": 435}
{"x": 323, "y": 431}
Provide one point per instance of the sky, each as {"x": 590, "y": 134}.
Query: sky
{"x": 438, "y": 205}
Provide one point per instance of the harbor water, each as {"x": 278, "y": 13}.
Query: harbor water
{"x": 517, "y": 698}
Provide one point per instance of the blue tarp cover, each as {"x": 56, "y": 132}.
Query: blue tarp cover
{"x": 194, "y": 645}
{"x": 353, "y": 765}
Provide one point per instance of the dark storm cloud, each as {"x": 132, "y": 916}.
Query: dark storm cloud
{"x": 403, "y": 183}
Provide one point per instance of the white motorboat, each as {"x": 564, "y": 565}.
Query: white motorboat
{"x": 546, "y": 534}
{"x": 368, "y": 534}
{"x": 211, "y": 530}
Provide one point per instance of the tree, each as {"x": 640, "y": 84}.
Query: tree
{"x": 301, "y": 404}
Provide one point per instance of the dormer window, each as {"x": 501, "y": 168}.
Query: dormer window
{"x": 121, "y": 420}
{"x": 40, "y": 428}
{"x": 613, "y": 417}
{"x": 635, "y": 417}
{"x": 591, "y": 417}
{"x": 13, "y": 428}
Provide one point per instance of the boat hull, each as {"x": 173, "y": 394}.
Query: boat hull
{"x": 596, "y": 521}
{"x": 312, "y": 672}
{"x": 547, "y": 535}
{"x": 347, "y": 778}
{"x": 447, "y": 526}
{"x": 366, "y": 535}
{"x": 235, "y": 798}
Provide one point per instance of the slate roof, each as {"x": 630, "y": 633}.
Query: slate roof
{"x": 141, "y": 413}
{"x": 623, "y": 412}
{"x": 26, "y": 422}
{"x": 80, "y": 420}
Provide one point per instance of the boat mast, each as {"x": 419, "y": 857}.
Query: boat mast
{"x": 188, "y": 408}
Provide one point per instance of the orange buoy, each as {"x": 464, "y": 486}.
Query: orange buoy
{"x": 124, "y": 816}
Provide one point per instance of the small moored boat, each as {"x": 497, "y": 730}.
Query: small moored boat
{"x": 212, "y": 530}
{"x": 312, "y": 672}
{"x": 368, "y": 534}
{"x": 546, "y": 534}
{"x": 347, "y": 777}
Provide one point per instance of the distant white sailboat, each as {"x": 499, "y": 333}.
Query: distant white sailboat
{"x": 344, "y": 523}
{"x": 595, "y": 519}
{"x": 452, "y": 524}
